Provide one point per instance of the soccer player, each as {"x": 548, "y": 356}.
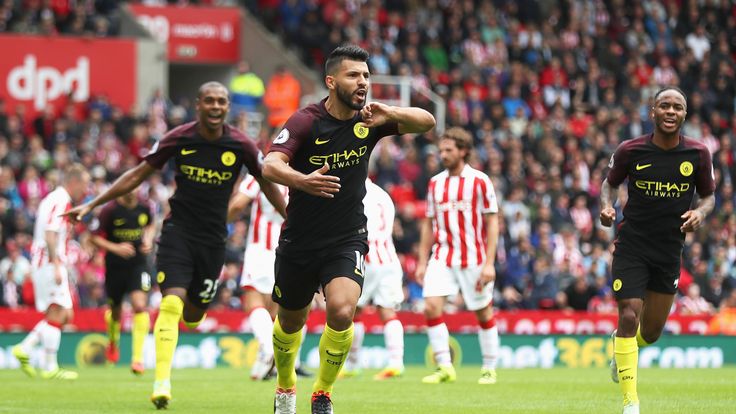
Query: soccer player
{"x": 322, "y": 154}
{"x": 382, "y": 285}
{"x": 257, "y": 278}
{"x": 208, "y": 156}
{"x": 125, "y": 230}
{"x": 664, "y": 169}
{"x": 461, "y": 228}
{"x": 49, "y": 271}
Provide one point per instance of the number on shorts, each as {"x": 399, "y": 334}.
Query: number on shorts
{"x": 210, "y": 290}
{"x": 359, "y": 264}
{"x": 145, "y": 282}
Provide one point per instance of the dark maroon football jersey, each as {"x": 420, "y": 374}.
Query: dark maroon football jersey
{"x": 311, "y": 138}
{"x": 206, "y": 172}
{"x": 661, "y": 186}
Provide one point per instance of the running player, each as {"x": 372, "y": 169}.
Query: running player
{"x": 208, "y": 156}
{"x": 125, "y": 230}
{"x": 664, "y": 169}
{"x": 323, "y": 241}
{"x": 461, "y": 228}
{"x": 50, "y": 274}
{"x": 382, "y": 285}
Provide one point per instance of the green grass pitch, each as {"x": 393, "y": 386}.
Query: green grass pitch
{"x": 227, "y": 390}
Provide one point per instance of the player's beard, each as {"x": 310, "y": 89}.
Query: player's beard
{"x": 347, "y": 98}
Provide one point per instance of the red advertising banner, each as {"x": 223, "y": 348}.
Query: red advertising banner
{"x": 41, "y": 71}
{"x": 521, "y": 322}
{"x": 194, "y": 34}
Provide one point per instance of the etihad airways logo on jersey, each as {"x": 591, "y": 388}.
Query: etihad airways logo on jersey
{"x": 662, "y": 189}
{"x": 455, "y": 206}
{"x": 127, "y": 234}
{"x": 205, "y": 175}
{"x": 340, "y": 159}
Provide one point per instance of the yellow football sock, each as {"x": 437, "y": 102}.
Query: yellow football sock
{"x": 141, "y": 324}
{"x": 333, "y": 351}
{"x": 285, "y": 353}
{"x": 166, "y": 332}
{"x": 640, "y": 339}
{"x": 113, "y": 328}
{"x": 626, "y": 352}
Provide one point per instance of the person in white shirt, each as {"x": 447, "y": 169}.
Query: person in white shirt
{"x": 257, "y": 279}
{"x": 382, "y": 285}
{"x": 49, "y": 264}
{"x": 461, "y": 228}
{"x": 14, "y": 269}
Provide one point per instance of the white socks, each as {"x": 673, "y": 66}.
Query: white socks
{"x": 489, "y": 346}
{"x": 50, "y": 339}
{"x": 353, "y": 361}
{"x": 439, "y": 340}
{"x": 393, "y": 335}
{"x": 262, "y": 325}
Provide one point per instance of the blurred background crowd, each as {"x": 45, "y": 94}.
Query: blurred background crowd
{"x": 548, "y": 89}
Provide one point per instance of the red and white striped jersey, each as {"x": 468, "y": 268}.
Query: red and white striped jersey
{"x": 265, "y": 221}
{"x": 380, "y": 211}
{"x": 49, "y": 218}
{"x": 457, "y": 205}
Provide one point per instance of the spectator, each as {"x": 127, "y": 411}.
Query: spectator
{"x": 14, "y": 270}
{"x": 282, "y": 96}
{"x": 693, "y": 303}
{"x": 246, "y": 90}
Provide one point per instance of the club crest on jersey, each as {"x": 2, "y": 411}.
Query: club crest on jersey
{"x": 160, "y": 277}
{"x": 686, "y": 168}
{"x": 142, "y": 219}
{"x": 360, "y": 131}
{"x": 228, "y": 158}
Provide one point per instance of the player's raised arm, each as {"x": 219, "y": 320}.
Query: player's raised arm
{"x": 123, "y": 185}
{"x": 409, "y": 119}
{"x": 277, "y": 169}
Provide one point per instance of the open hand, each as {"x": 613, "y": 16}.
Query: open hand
{"x": 319, "y": 184}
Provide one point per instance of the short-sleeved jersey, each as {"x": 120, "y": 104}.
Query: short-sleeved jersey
{"x": 49, "y": 218}
{"x": 120, "y": 224}
{"x": 380, "y": 212}
{"x": 457, "y": 205}
{"x": 661, "y": 186}
{"x": 206, "y": 172}
{"x": 265, "y": 221}
{"x": 311, "y": 138}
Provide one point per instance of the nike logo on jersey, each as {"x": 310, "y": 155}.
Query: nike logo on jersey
{"x": 118, "y": 222}
{"x": 623, "y": 370}
{"x": 320, "y": 141}
{"x": 358, "y": 272}
{"x": 640, "y": 167}
{"x": 185, "y": 151}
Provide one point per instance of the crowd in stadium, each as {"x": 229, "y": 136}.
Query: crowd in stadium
{"x": 548, "y": 89}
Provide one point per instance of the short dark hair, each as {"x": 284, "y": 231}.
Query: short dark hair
{"x": 670, "y": 88}
{"x": 462, "y": 139}
{"x": 350, "y": 52}
{"x": 208, "y": 85}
